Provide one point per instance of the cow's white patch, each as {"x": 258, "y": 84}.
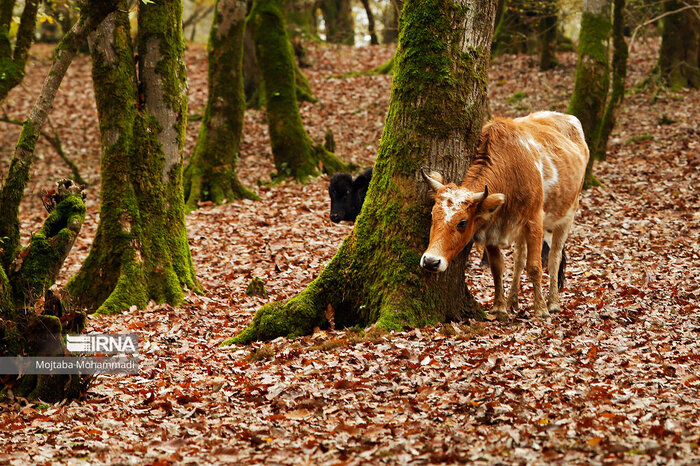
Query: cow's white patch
{"x": 550, "y": 175}
{"x": 453, "y": 199}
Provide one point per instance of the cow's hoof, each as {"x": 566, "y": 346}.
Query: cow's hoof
{"x": 543, "y": 315}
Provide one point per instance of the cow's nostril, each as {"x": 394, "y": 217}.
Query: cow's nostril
{"x": 431, "y": 263}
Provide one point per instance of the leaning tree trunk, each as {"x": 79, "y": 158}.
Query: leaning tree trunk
{"x": 211, "y": 173}
{"x": 140, "y": 251}
{"x": 12, "y": 62}
{"x": 434, "y": 121}
{"x": 592, "y": 73}
{"x": 27, "y": 273}
{"x": 679, "y": 56}
{"x": 294, "y": 153}
{"x": 370, "y": 23}
{"x": 340, "y": 26}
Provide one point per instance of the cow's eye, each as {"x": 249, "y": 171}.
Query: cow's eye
{"x": 462, "y": 225}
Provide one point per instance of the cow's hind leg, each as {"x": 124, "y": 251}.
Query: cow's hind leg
{"x": 533, "y": 265}
{"x": 559, "y": 235}
{"x": 496, "y": 263}
{"x": 518, "y": 266}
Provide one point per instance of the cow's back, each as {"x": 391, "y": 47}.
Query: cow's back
{"x": 543, "y": 159}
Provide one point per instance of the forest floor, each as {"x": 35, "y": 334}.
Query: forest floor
{"x": 614, "y": 377}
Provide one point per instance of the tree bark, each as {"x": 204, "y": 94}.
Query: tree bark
{"x": 27, "y": 273}
{"x": 619, "y": 76}
{"x": 295, "y": 154}
{"x": 370, "y": 23}
{"x": 434, "y": 121}
{"x": 592, "y": 74}
{"x": 252, "y": 75}
{"x": 140, "y": 251}
{"x": 340, "y": 26}
{"x": 18, "y": 174}
{"x": 390, "y": 32}
{"x": 547, "y": 29}
{"x": 211, "y": 173}
{"x": 679, "y": 56}
{"x": 12, "y": 62}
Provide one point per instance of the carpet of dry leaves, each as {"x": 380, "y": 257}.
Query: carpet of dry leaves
{"x": 613, "y": 378}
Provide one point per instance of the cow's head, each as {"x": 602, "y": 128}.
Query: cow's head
{"x": 457, "y": 214}
{"x": 340, "y": 191}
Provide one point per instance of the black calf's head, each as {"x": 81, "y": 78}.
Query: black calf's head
{"x": 348, "y": 195}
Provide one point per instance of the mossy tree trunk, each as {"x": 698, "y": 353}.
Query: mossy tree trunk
{"x": 140, "y": 251}
{"x": 619, "y": 76}
{"x": 592, "y": 75}
{"x": 679, "y": 56}
{"x": 547, "y": 35}
{"x": 252, "y": 75}
{"x": 590, "y": 102}
{"x": 13, "y": 61}
{"x": 27, "y": 273}
{"x": 211, "y": 172}
{"x": 340, "y": 25}
{"x": 434, "y": 121}
{"x": 294, "y": 152}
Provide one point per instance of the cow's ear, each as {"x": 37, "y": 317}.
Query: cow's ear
{"x": 361, "y": 182}
{"x": 489, "y": 206}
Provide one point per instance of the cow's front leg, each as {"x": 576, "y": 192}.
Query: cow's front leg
{"x": 533, "y": 238}
{"x": 518, "y": 266}
{"x": 496, "y": 263}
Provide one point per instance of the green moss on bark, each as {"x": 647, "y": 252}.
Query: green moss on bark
{"x": 340, "y": 27}
{"x": 294, "y": 153}
{"x": 592, "y": 77}
{"x": 375, "y": 277}
{"x": 211, "y": 173}
{"x": 140, "y": 251}
{"x": 679, "y": 57}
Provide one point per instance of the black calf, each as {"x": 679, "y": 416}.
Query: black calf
{"x": 348, "y": 195}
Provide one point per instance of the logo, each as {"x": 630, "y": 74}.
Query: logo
{"x": 102, "y": 343}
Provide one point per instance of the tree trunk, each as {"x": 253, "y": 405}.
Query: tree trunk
{"x": 390, "y": 32}
{"x": 340, "y": 26}
{"x": 434, "y": 121}
{"x": 619, "y": 76}
{"x": 28, "y": 273}
{"x": 140, "y": 251}
{"x": 370, "y": 23}
{"x": 252, "y": 76}
{"x": 294, "y": 153}
{"x": 211, "y": 173}
{"x": 679, "y": 56}
{"x": 592, "y": 73}
{"x": 548, "y": 35}
{"x": 18, "y": 175}
{"x": 517, "y": 28}
{"x": 12, "y": 62}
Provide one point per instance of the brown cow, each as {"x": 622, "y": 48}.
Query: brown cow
{"x": 526, "y": 179}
